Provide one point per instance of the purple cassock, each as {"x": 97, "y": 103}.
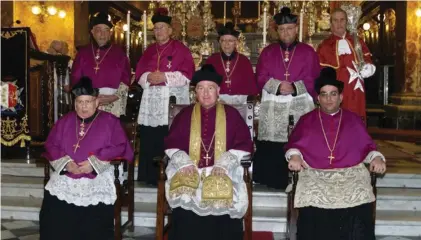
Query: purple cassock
{"x": 171, "y": 56}
{"x": 353, "y": 142}
{"x": 241, "y": 77}
{"x": 104, "y": 138}
{"x": 303, "y": 65}
{"x": 112, "y": 69}
{"x": 237, "y": 132}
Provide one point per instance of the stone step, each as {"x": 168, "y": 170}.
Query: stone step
{"x": 393, "y": 180}
{"x": 390, "y": 223}
{"x": 407, "y": 199}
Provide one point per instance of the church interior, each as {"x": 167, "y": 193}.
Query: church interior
{"x": 44, "y": 37}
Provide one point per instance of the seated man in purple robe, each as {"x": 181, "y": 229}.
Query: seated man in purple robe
{"x": 239, "y": 80}
{"x": 330, "y": 146}
{"x": 205, "y": 186}
{"x": 106, "y": 64}
{"x": 79, "y": 197}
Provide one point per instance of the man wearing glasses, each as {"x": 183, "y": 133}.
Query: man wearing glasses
{"x": 285, "y": 75}
{"x": 106, "y": 64}
{"x": 239, "y": 79}
{"x": 164, "y": 70}
{"x": 329, "y": 147}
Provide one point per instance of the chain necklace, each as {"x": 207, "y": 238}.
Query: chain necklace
{"x": 289, "y": 63}
{"x": 227, "y": 69}
{"x": 331, "y": 157}
{"x": 81, "y": 133}
{"x": 207, "y": 157}
{"x": 160, "y": 53}
{"x": 96, "y": 57}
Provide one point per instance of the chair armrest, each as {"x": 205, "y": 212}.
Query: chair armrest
{"x": 246, "y": 161}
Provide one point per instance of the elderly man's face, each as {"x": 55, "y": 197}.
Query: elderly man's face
{"x": 330, "y": 99}
{"x": 162, "y": 32}
{"x": 338, "y": 25}
{"x": 288, "y": 32}
{"x": 101, "y": 34}
{"x": 228, "y": 43}
{"x": 207, "y": 93}
{"x": 86, "y": 105}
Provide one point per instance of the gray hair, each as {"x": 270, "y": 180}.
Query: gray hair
{"x": 337, "y": 10}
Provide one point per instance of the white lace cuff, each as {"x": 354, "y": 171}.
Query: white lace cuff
{"x": 300, "y": 87}
{"x": 293, "y": 151}
{"x": 343, "y": 47}
{"x": 178, "y": 158}
{"x": 272, "y": 86}
{"x": 143, "y": 80}
{"x": 98, "y": 165}
{"x": 228, "y": 161}
{"x": 373, "y": 154}
{"x": 368, "y": 70}
{"x": 60, "y": 163}
{"x": 176, "y": 79}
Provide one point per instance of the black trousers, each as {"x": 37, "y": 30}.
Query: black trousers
{"x": 61, "y": 220}
{"x": 269, "y": 165}
{"x": 354, "y": 223}
{"x": 151, "y": 146}
{"x": 186, "y": 225}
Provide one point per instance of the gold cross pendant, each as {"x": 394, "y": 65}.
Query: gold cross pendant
{"x": 76, "y": 146}
{"x": 207, "y": 158}
{"x": 331, "y": 157}
{"x": 96, "y": 69}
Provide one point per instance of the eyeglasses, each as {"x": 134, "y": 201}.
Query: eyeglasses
{"x": 329, "y": 94}
{"x": 228, "y": 41}
{"x": 99, "y": 30}
{"x": 157, "y": 29}
{"x": 289, "y": 29}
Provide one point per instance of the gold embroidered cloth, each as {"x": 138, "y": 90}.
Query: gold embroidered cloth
{"x": 334, "y": 188}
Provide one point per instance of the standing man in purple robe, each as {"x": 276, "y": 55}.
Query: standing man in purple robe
{"x": 79, "y": 197}
{"x": 106, "y": 64}
{"x": 205, "y": 186}
{"x": 330, "y": 145}
{"x": 239, "y": 80}
{"x": 164, "y": 70}
{"x": 285, "y": 74}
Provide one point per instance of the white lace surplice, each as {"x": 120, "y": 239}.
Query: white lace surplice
{"x": 84, "y": 191}
{"x": 274, "y": 113}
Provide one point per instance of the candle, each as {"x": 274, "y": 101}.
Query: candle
{"x": 225, "y": 12}
{"x": 128, "y": 34}
{"x": 301, "y": 25}
{"x": 258, "y": 9}
{"x": 145, "y": 23}
{"x": 264, "y": 26}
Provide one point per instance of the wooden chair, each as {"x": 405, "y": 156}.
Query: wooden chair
{"x": 164, "y": 210}
{"x": 125, "y": 191}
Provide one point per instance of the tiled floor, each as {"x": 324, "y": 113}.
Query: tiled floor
{"x": 28, "y": 230}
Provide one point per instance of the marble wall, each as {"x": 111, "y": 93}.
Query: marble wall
{"x": 53, "y": 27}
{"x": 413, "y": 49}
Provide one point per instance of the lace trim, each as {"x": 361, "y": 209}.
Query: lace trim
{"x": 373, "y": 154}
{"x": 154, "y": 105}
{"x": 227, "y": 161}
{"x": 272, "y": 86}
{"x": 98, "y": 165}
{"x": 274, "y": 113}
{"x": 176, "y": 79}
{"x": 300, "y": 87}
{"x": 333, "y": 189}
{"x": 233, "y": 99}
{"x": 84, "y": 191}
{"x": 60, "y": 163}
{"x": 118, "y": 107}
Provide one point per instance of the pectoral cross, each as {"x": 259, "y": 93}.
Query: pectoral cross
{"x": 331, "y": 157}
{"x": 96, "y": 69}
{"x": 286, "y": 75}
{"x": 76, "y": 146}
{"x": 228, "y": 81}
{"x": 207, "y": 158}
{"x": 169, "y": 65}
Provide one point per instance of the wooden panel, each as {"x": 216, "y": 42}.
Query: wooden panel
{"x": 35, "y": 103}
